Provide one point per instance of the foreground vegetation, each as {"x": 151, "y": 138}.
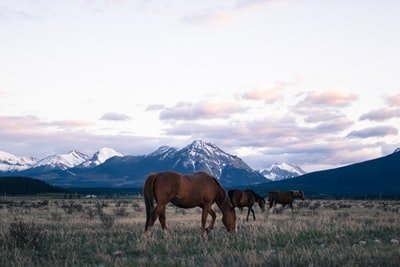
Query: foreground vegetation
{"x": 109, "y": 232}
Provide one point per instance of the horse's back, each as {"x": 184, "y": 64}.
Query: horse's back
{"x": 181, "y": 188}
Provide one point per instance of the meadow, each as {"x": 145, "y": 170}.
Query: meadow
{"x": 51, "y": 231}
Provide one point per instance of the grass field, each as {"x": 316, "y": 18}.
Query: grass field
{"x": 109, "y": 232}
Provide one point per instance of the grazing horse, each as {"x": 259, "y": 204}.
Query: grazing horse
{"x": 246, "y": 198}
{"x": 187, "y": 191}
{"x": 284, "y": 198}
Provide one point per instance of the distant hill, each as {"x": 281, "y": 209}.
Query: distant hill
{"x": 376, "y": 177}
{"x": 26, "y": 186}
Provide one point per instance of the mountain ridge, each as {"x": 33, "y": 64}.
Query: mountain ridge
{"x": 116, "y": 170}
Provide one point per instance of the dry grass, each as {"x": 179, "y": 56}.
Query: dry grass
{"x": 321, "y": 233}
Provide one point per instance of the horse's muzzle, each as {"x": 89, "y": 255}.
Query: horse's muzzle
{"x": 233, "y": 231}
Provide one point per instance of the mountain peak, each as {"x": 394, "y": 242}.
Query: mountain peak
{"x": 100, "y": 157}
{"x": 105, "y": 153}
{"x": 163, "y": 152}
{"x": 10, "y": 162}
{"x": 63, "y": 161}
{"x": 281, "y": 171}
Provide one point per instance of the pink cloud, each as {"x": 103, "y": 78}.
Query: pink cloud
{"x": 267, "y": 95}
{"x": 206, "y": 109}
{"x": 393, "y": 100}
{"x": 329, "y": 98}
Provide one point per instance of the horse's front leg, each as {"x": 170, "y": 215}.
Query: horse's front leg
{"x": 271, "y": 208}
{"x": 252, "y": 211}
{"x": 213, "y": 217}
{"x": 291, "y": 206}
{"x": 204, "y": 214}
{"x": 248, "y": 213}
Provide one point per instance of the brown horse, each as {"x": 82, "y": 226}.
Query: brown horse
{"x": 187, "y": 191}
{"x": 246, "y": 198}
{"x": 284, "y": 198}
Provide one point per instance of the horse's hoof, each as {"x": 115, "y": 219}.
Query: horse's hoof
{"x": 208, "y": 230}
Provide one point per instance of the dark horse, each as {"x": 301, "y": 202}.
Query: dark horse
{"x": 284, "y": 198}
{"x": 187, "y": 191}
{"x": 246, "y": 198}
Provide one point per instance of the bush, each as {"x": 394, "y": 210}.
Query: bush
{"x": 26, "y": 235}
{"x": 107, "y": 221}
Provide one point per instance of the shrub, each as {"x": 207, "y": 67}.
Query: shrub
{"x": 107, "y": 221}
{"x": 26, "y": 235}
{"x": 121, "y": 212}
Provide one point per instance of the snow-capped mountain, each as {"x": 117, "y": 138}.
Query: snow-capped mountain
{"x": 281, "y": 171}
{"x": 200, "y": 155}
{"x": 108, "y": 168}
{"x": 100, "y": 157}
{"x": 10, "y": 162}
{"x": 62, "y": 161}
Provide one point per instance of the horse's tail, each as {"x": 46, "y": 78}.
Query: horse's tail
{"x": 148, "y": 192}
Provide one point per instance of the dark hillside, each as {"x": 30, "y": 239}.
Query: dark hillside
{"x": 26, "y": 186}
{"x": 377, "y": 177}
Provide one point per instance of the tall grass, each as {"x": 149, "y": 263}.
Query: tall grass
{"x": 356, "y": 234}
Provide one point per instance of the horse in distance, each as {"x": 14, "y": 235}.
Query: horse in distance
{"x": 246, "y": 198}
{"x": 284, "y": 198}
{"x": 187, "y": 191}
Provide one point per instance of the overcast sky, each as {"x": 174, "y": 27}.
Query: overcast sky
{"x": 315, "y": 83}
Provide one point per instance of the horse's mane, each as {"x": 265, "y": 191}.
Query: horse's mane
{"x": 222, "y": 200}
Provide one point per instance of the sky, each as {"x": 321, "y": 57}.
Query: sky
{"x": 314, "y": 83}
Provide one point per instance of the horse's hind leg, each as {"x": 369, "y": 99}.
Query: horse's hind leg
{"x": 159, "y": 212}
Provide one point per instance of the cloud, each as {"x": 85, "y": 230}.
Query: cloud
{"x": 113, "y": 116}
{"x": 31, "y": 126}
{"x": 318, "y": 114}
{"x": 8, "y": 13}
{"x": 393, "y": 100}
{"x": 329, "y": 98}
{"x": 20, "y": 134}
{"x": 207, "y": 109}
{"x": 378, "y": 131}
{"x": 265, "y": 94}
{"x": 381, "y": 114}
{"x": 333, "y": 126}
{"x": 155, "y": 107}
{"x": 224, "y": 14}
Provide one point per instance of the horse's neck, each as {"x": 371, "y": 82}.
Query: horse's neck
{"x": 223, "y": 204}
{"x": 222, "y": 199}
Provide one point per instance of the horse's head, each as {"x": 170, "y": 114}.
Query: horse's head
{"x": 300, "y": 194}
{"x": 261, "y": 203}
{"x": 229, "y": 219}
